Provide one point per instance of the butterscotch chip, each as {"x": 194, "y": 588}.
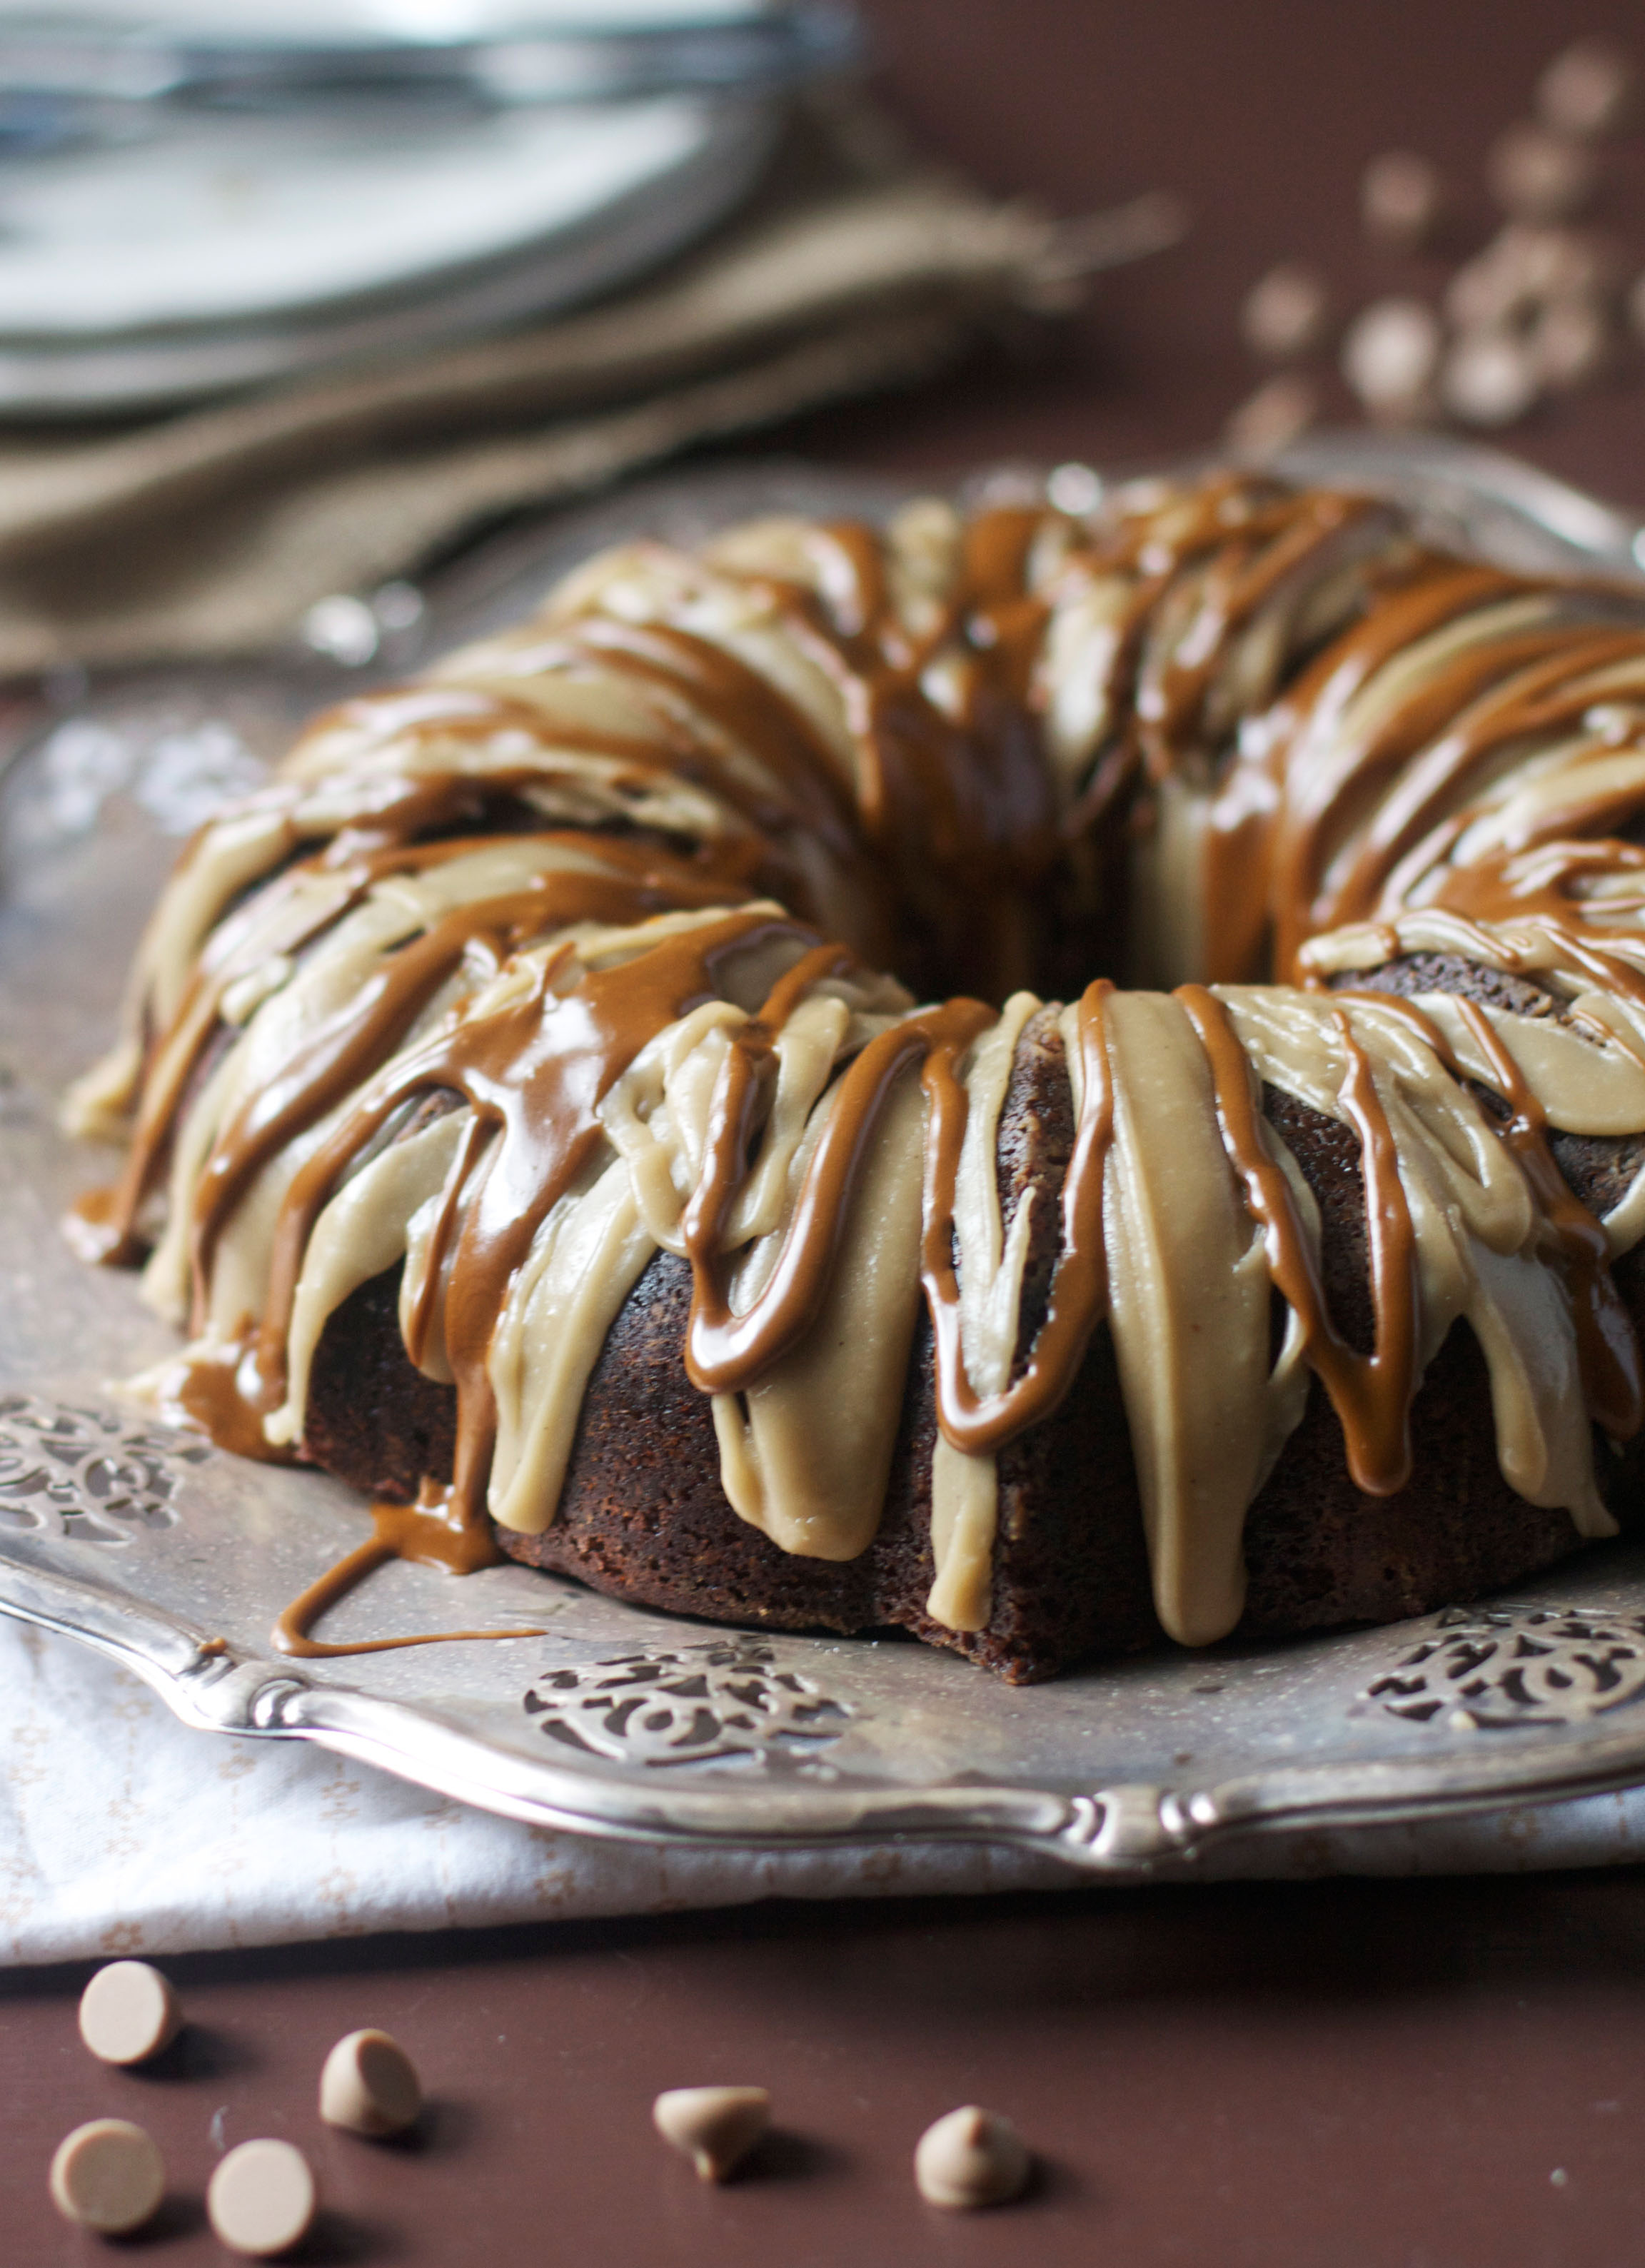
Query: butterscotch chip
{"x": 715, "y": 2126}
{"x": 1537, "y": 175}
{"x": 261, "y": 2199}
{"x": 1489, "y": 378}
{"x": 1570, "y": 341}
{"x": 370, "y": 2085}
{"x": 129, "y": 2013}
{"x": 1586, "y": 90}
{"x": 1274, "y": 416}
{"x": 972, "y": 2157}
{"x": 1401, "y": 197}
{"x": 108, "y": 2175}
{"x": 1285, "y": 314}
{"x": 1390, "y": 356}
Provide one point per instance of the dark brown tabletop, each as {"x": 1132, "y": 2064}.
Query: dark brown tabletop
{"x": 1381, "y": 2074}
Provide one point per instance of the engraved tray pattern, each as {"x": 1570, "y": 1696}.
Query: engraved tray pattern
{"x": 174, "y": 1558}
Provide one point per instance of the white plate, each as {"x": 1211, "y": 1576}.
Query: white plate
{"x": 663, "y": 178}
{"x": 237, "y": 217}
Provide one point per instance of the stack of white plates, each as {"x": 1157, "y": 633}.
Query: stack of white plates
{"x": 202, "y": 196}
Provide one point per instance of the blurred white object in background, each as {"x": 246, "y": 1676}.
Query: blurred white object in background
{"x": 204, "y": 195}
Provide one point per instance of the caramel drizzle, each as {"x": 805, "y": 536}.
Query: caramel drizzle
{"x": 1079, "y": 1288}
{"x": 1302, "y": 798}
{"x": 1252, "y": 558}
{"x": 534, "y": 1072}
{"x": 1280, "y": 806}
{"x": 376, "y": 842}
{"x": 1607, "y": 1346}
{"x": 1259, "y": 536}
{"x": 725, "y": 1352}
{"x": 1543, "y": 698}
{"x": 1371, "y": 1394}
{"x": 1541, "y": 881}
{"x": 340, "y": 1057}
{"x": 399, "y": 1531}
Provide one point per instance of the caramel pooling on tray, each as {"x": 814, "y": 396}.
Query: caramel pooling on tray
{"x": 107, "y": 2175}
{"x": 716, "y": 2127}
{"x": 129, "y": 2013}
{"x": 970, "y": 2157}
{"x": 261, "y": 2199}
{"x": 370, "y": 2085}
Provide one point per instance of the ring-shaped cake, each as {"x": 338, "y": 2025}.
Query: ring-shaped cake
{"x": 523, "y": 1128}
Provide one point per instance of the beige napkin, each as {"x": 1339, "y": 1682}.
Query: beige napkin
{"x": 124, "y": 1831}
{"x": 854, "y": 268}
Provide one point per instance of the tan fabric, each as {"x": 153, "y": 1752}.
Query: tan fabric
{"x": 212, "y": 531}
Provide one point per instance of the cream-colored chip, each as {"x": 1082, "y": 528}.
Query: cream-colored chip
{"x": 971, "y": 2157}
{"x": 1285, "y": 314}
{"x": 370, "y": 2085}
{"x": 1537, "y": 175}
{"x": 261, "y": 2199}
{"x": 1586, "y": 90}
{"x": 108, "y": 2175}
{"x": 1390, "y": 356}
{"x": 129, "y": 2013}
{"x": 1276, "y": 415}
{"x": 1401, "y": 197}
{"x": 715, "y": 2126}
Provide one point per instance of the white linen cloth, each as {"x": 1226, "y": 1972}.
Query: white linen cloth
{"x": 125, "y": 1831}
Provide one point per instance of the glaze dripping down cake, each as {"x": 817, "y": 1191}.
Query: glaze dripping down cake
{"x": 523, "y": 1128}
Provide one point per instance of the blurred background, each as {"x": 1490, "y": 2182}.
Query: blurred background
{"x": 298, "y": 298}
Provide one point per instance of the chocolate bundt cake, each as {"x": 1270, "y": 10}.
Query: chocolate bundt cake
{"x": 522, "y": 1128}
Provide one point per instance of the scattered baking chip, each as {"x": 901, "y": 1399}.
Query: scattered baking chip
{"x": 1285, "y": 314}
{"x": 1274, "y": 416}
{"x": 108, "y": 2175}
{"x": 971, "y": 2157}
{"x": 716, "y": 2127}
{"x": 1390, "y": 356}
{"x": 1489, "y": 378}
{"x": 1537, "y": 175}
{"x": 1586, "y": 90}
{"x": 129, "y": 2013}
{"x": 370, "y": 2085}
{"x": 1075, "y": 489}
{"x": 1524, "y": 265}
{"x": 1569, "y": 343}
{"x": 261, "y": 2199}
{"x": 1401, "y": 198}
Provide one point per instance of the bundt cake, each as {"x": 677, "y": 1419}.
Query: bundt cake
{"x": 523, "y": 1127}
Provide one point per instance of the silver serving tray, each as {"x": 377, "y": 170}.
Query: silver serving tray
{"x": 174, "y": 1559}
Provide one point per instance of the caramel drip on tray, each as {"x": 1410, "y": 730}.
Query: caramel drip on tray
{"x": 399, "y": 1531}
